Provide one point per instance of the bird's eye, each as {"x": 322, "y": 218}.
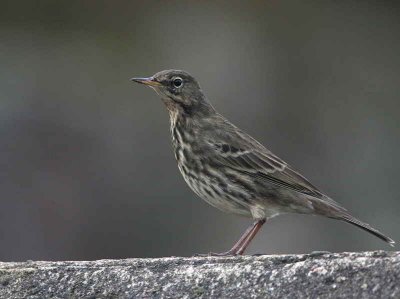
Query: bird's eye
{"x": 177, "y": 82}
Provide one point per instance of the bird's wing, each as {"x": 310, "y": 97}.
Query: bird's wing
{"x": 256, "y": 161}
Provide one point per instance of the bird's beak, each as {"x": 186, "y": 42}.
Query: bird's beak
{"x": 147, "y": 81}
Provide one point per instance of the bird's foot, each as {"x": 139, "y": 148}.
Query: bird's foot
{"x": 226, "y": 253}
{"x": 318, "y": 253}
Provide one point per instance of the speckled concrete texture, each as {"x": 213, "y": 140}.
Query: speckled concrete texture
{"x": 316, "y": 275}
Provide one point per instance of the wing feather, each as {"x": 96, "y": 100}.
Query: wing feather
{"x": 261, "y": 164}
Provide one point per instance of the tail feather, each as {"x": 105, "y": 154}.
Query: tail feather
{"x": 329, "y": 208}
{"x": 365, "y": 226}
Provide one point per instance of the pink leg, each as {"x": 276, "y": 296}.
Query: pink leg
{"x": 250, "y": 237}
{"x": 244, "y": 241}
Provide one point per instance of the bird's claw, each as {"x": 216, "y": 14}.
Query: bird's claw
{"x": 227, "y": 253}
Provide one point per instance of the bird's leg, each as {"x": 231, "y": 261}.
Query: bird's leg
{"x": 257, "y": 225}
{"x": 234, "y": 250}
{"x": 239, "y": 243}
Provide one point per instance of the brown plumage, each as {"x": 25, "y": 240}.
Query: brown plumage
{"x": 231, "y": 170}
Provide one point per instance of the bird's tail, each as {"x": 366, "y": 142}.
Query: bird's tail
{"x": 365, "y": 226}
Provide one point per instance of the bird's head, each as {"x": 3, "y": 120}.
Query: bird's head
{"x": 178, "y": 89}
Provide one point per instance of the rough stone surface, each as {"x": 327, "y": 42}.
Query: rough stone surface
{"x": 316, "y": 275}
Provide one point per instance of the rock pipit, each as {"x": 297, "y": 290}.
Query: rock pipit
{"x": 231, "y": 170}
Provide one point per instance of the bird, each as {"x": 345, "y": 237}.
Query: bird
{"x": 231, "y": 170}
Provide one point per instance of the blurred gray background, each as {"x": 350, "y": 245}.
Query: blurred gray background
{"x": 86, "y": 166}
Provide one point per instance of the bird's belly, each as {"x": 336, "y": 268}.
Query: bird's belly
{"x": 208, "y": 188}
{"x": 220, "y": 188}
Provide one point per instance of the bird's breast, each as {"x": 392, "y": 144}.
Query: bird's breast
{"x": 207, "y": 181}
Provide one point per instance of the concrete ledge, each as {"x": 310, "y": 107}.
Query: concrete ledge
{"x": 317, "y": 275}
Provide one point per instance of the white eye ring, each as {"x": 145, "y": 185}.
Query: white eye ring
{"x": 177, "y": 82}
